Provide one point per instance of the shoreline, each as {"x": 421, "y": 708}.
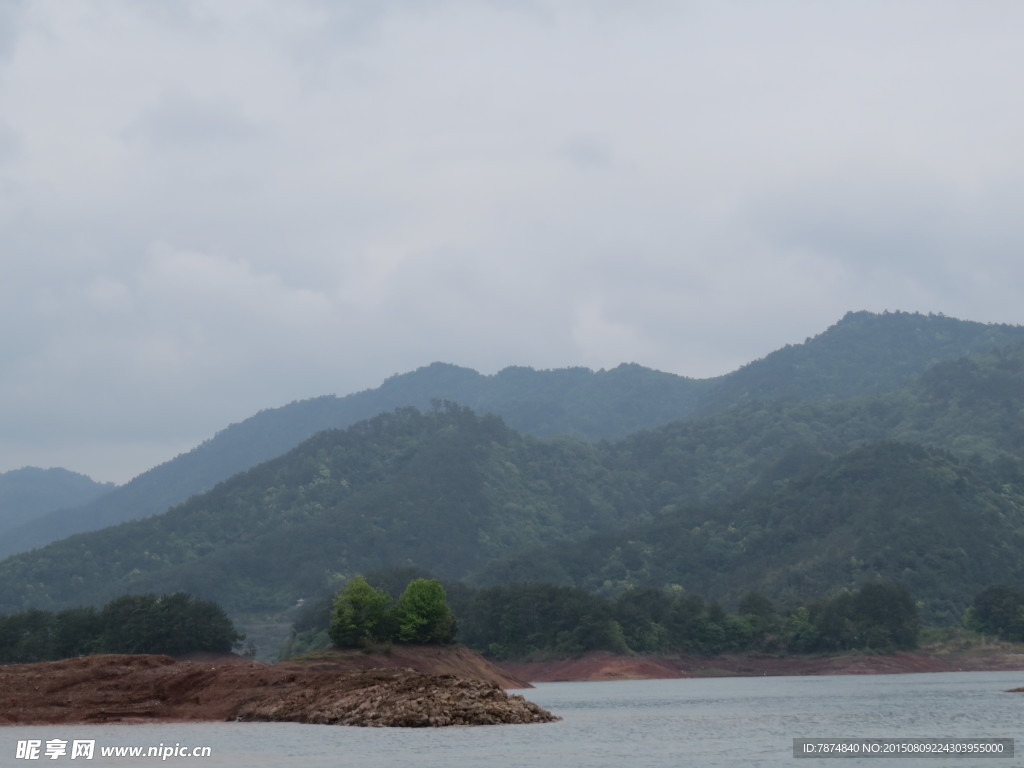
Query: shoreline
{"x": 605, "y": 666}
{"x": 452, "y": 685}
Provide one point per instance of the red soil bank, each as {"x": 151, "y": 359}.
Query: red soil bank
{"x": 351, "y": 689}
{"x": 607, "y": 666}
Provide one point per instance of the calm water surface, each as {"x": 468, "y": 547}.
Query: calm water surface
{"x": 641, "y": 724}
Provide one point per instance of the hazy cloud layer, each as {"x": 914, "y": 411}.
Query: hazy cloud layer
{"x": 214, "y": 206}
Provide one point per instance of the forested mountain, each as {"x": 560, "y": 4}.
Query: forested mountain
{"x": 447, "y": 489}
{"x": 942, "y": 526}
{"x": 971, "y": 406}
{"x": 861, "y": 354}
{"x": 864, "y": 353}
{"x": 30, "y": 492}
{"x": 794, "y": 498}
{"x": 922, "y": 485}
{"x": 567, "y": 401}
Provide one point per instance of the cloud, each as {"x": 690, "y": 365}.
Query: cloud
{"x": 211, "y": 208}
{"x": 184, "y": 333}
{"x": 10, "y": 25}
{"x": 180, "y": 121}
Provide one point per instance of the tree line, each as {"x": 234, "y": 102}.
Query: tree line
{"x": 538, "y": 620}
{"x": 535, "y": 620}
{"x": 998, "y": 610}
{"x": 174, "y": 624}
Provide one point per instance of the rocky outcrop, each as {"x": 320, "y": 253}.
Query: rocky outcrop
{"x": 396, "y": 697}
{"x": 132, "y": 689}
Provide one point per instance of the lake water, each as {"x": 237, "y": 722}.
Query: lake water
{"x": 637, "y": 723}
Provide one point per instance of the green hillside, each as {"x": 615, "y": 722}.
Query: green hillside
{"x": 799, "y": 499}
{"x": 971, "y": 406}
{"x": 446, "y": 489}
{"x": 942, "y": 526}
{"x": 574, "y": 401}
{"x": 794, "y": 499}
{"x": 863, "y": 353}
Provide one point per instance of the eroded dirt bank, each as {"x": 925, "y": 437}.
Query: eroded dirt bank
{"x": 436, "y": 660}
{"x": 606, "y": 666}
{"x": 126, "y": 689}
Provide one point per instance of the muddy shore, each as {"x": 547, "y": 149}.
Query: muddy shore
{"x": 149, "y": 688}
{"x": 408, "y": 686}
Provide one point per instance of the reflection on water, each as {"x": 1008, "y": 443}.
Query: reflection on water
{"x": 642, "y": 723}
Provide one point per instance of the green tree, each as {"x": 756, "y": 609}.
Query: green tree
{"x": 643, "y": 615}
{"x": 129, "y": 625}
{"x": 26, "y": 637}
{"x": 193, "y": 625}
{"x": 361, "y": 615}
{"x": 423, "y": 613}
{"x": 887, "y": 616}
{"x": 998, "y": 610}
{"x": 174, "y": 624}
{"x": 880, "y": 615}
{"x": 763, "y": 624}
{"x": 800, "y": 634}
{"x": 76, "y": 632}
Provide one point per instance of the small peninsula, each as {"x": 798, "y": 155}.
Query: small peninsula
{"x": 114, "y": 688}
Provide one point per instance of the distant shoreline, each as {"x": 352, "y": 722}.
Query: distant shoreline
{"x": 598, "y": 666}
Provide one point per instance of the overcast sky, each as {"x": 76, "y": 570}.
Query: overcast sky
{"x": 209, "y": 207}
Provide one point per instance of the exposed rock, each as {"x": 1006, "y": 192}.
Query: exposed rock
{"x": 396, "y": 697}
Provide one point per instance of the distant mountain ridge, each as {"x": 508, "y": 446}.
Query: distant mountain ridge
{"x": 924, "y": 485}
{"x": 862, "y": 353}
{"x": 31, "y": 492}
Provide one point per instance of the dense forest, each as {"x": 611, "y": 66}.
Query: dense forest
{"x": 864, "y": 353}
{"x": 945, "y": 526}
{"x": 446, "y": 488}
{"x": 172, "y": 624}
{"x": 915, "y": 479}
{"x": 520, "y": 621}
{"x": 541, "y": 620}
